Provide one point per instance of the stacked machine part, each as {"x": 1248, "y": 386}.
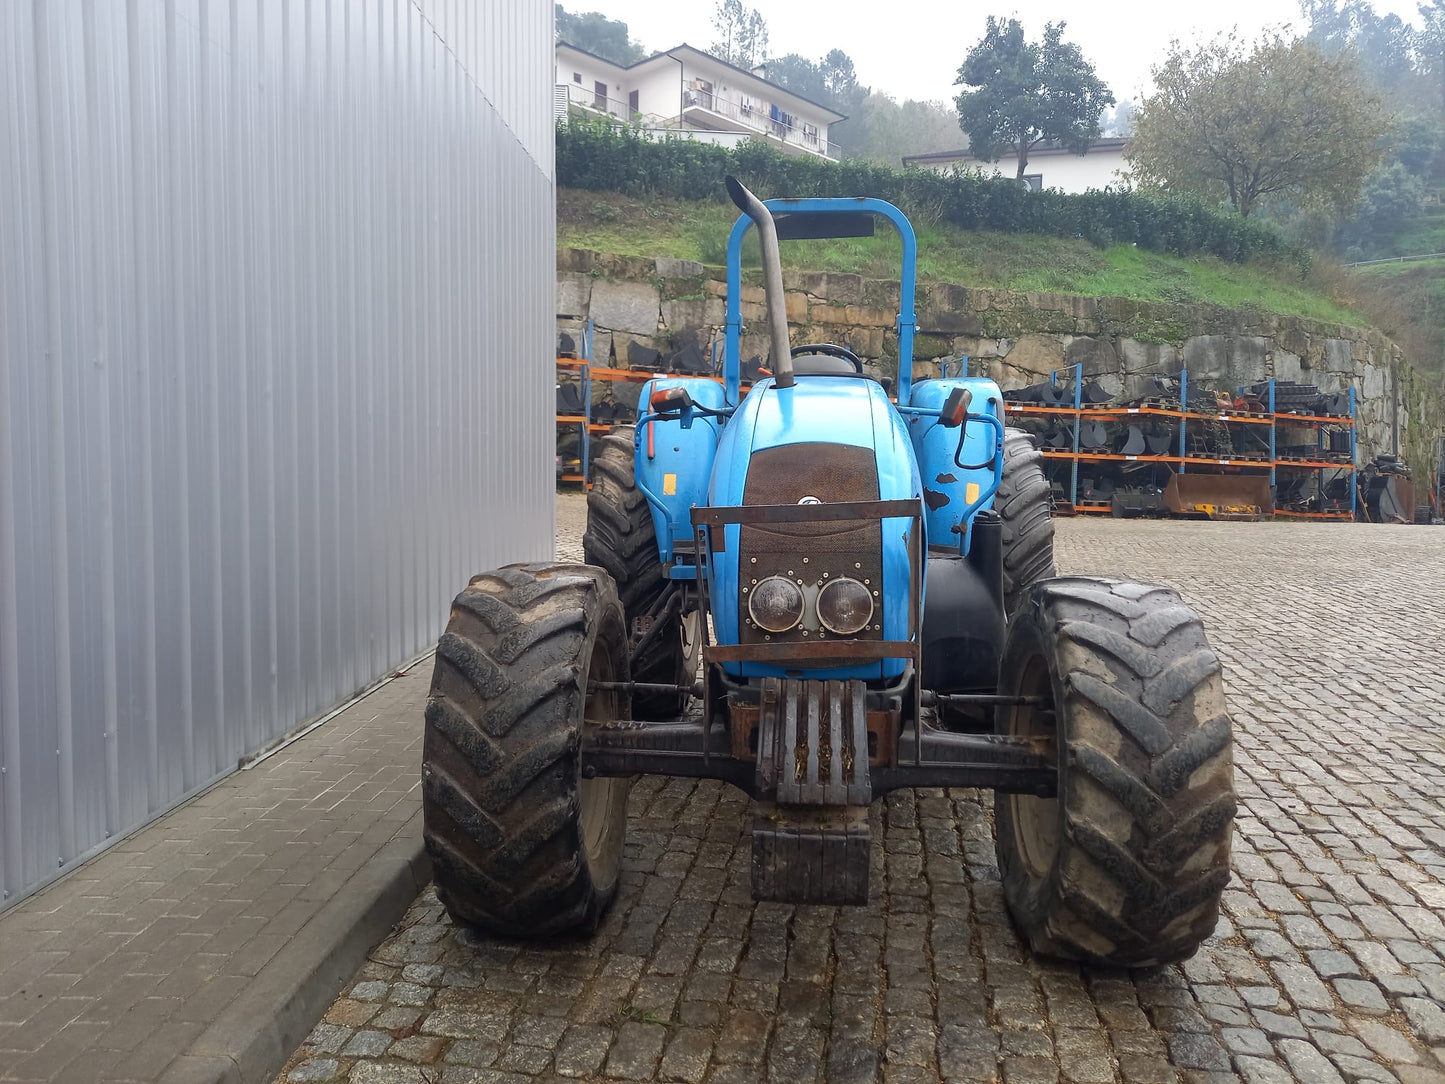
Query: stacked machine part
{"x": 1187, "y": 448}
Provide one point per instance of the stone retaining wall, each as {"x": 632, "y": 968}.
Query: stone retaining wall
{"x": 1017, "y": 338}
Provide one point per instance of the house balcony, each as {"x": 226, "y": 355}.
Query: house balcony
{"x": 710, "y": 118}
{"x": 575, "y": 98}
{"x": 717, "y": 112}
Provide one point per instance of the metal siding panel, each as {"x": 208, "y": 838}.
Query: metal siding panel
{"x": 278, "y": 387}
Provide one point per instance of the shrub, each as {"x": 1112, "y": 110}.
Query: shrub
{"x": 602, "y": 156}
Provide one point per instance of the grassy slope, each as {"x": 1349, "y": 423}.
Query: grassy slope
{"x": 698, "y": 231}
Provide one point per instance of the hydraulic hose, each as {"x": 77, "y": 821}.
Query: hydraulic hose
{"x": 751, "y": 206}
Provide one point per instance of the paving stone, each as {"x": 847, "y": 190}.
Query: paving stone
{"x": 328, "y": 1038}
{"x": 1320, "y": 1021}
{"x": 687, "y": 1055}
{"x": 368, "y": 1044}
{"x": 474, "y": 1054}
{"x": 1278, "y": 1026}
{"x": 1263, "y": 1071}
{"x": 1259, "y": 997}
{"x": 371, "y": 1072}
{"x": 1362, "y": 1069}
{"x": 635, "y": 1053}
{"x": 582, "y": 1050}
{"x": 1388, "y": 1043}
{"x": 1138, "y": 1069}
{"x": 529, "y": 1060}
{"x": 1247, "y": 1041}
{"x": 1330, "y": 963}
{"x": 1030, "y": 1071}
{"x": 315, "y": 1069}
{"x": 1427, "y": 1018}
{"x": 1360, "y": 995}
{"x": 1195, "y": 1051}
{"x": 1308, "y": 1064}
{"x": 1303, "y": 986}
{"x": 1304, "y": 932}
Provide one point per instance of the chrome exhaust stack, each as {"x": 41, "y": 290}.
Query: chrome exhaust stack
{"x": 751, "y": 206}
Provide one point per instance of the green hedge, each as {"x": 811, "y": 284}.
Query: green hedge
{"x": 607, "y": 157}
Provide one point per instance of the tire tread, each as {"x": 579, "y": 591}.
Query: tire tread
{"x": 502, "y": 731}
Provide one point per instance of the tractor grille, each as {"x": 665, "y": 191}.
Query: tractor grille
{"x": 833, "y": 473}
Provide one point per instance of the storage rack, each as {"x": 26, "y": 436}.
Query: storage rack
{"x": 1181, "y": 462}
{"x": 587, "y": 373}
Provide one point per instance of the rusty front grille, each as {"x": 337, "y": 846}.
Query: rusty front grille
{"x": 803, "y": 552}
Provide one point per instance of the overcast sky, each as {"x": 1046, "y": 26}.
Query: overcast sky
{"x": 912, "y": 48}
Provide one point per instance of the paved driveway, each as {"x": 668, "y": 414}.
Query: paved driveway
{"x": 1329, "y": 964}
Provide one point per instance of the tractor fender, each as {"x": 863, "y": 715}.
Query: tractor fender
{"x": 949, "y": 490}
{"x": 963, "y": 621}
{"x": 673, "y": 461}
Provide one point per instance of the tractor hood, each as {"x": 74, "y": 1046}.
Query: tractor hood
{"x": 816, "y": 410}
{"x": 824, "y": 440}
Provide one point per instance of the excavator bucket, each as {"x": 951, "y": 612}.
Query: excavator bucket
{"x": 1219, "y": 496}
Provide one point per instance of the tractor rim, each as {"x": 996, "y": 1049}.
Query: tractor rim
{"x": 597, "y": 798}
{"x": 1036, "y": 820}
{"x": 691, "y": 643}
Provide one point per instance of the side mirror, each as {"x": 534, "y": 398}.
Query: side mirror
{"x": 955, "y": 408}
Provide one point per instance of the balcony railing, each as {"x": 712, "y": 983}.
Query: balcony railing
{"x": 576, "y": 95}
{"x": 759, "y": 120}
{"x": 758, "y": 123}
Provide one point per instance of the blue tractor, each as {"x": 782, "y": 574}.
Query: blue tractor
{"x": 820, "y": 592}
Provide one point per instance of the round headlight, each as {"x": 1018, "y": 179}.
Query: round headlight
{"x": 776, "y": 604}
{"x": 845, "y": 606}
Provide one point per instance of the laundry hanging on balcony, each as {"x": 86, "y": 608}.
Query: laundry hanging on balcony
{"x": 782, "y": 122}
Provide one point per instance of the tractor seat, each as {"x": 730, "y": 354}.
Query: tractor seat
{"x": 825, "y": 364}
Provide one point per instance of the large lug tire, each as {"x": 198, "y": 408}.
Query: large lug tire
{"x": 521, "y": 844}
{"x": 1126, "y": 866}
{"x": 1023, "y": 503}
{"x": 621, "y": 538}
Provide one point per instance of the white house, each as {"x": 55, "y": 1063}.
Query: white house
{"x": 687, "y": 92}
{"x": 1048, "y": 167}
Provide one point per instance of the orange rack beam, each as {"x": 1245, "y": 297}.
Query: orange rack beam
{"x": 1286, "y": 419}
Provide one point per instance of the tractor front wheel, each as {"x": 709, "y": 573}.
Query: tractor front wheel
{"x": 521, "y": 843}
{"x": 1126, "y": 865}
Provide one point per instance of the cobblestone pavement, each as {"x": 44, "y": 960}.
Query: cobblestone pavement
{"x": 1329, "y": 964}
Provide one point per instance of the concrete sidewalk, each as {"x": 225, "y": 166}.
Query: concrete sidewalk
{"x": 205, "y": 947}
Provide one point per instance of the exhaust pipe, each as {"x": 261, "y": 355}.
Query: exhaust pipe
{"x": 751, "y": 206}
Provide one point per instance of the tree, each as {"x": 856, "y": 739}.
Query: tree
{"x": 880, "y": 129}
{"x": 1241, "y": 124}
{"x": 1430, "y": 47}
{"x": 1027, "y": 93}
{"x": 832, "y": 81}
{"x": 1118, "y": 123}
{"x": 1384, "y": 45}
{"x": 742, "y": 34}
{"x": 595, "y": 32}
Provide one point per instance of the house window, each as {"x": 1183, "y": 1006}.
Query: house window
{"x": 632, "y": 109}
{"x": 1034, "y": 181}
{"x": 576, "y": 77}
{"x": 599, "y": 95}
{"x": 810, "y": 134}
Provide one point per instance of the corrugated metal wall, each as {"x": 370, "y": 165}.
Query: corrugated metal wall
{"x": 276, "y": 283}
